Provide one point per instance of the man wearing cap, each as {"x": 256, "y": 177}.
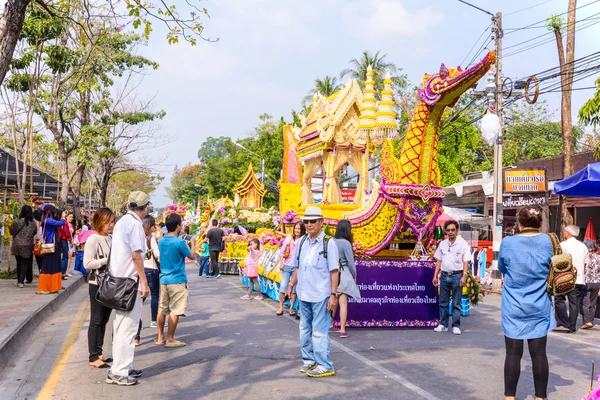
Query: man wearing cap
{"x": 317, "y": 276}
{"x": 126, "y": 260}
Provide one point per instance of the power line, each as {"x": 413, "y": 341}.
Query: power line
{"x": 527, "y": 8}
{"x": 557, "y": 15}
{"x": 484, "y": 46}
{"x": 541, "y": 43}
{"x": 547, "y": 33}
{"x": 475, "y": 44}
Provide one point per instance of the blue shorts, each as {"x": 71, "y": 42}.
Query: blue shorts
{"x": 286, "y": 275}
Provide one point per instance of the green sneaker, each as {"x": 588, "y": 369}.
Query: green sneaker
{"x": 320, "y": 372}
{"x": 307, "y": 367}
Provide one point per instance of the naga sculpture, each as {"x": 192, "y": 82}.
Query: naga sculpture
{"x": 405, "y": 206}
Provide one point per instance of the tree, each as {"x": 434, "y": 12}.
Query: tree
{"x": 139, "y": 14}
{"x": 380, "y": 66}
{"x": 222, "y": 172}
{"x": 589, "y": 114}
{"x": 187, "y": 184}
{"x": 126, "y": 182}
{"x": 325, "y": 87}
{"x": 566, "y": 59}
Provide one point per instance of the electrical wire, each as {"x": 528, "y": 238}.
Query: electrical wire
{"x": 548, "y": 33}
{"x": 482, "y": 48}
{"x": 475, "y": 44}
{"x": 527, "y": 8}
{"x": 544, "y": 20}
{"x": 546, "y": 41}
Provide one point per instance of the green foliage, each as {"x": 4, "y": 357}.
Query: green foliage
{"x": 187, "y": 184}
{"x": 326, "y": 87}
{"x": 555, "y": 22}
{"x": 380, "y": 66}
{"x": 589, "y": 114}
{"x": 224, "y": 164}
{"x": 530, "y": 134}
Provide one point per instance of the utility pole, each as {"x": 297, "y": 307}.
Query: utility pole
{"x": 498, "y": 184}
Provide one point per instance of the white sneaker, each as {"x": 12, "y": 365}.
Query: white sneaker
{"x": 456, "y": 330}
{"x": 440, "y": 328}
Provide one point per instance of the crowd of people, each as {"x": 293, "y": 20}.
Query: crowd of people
{"x": 316, "y": 270}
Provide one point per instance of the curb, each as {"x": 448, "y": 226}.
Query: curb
{"x": 13, "y": 344}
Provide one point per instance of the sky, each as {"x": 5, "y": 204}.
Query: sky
{"x": 269, "y": 52}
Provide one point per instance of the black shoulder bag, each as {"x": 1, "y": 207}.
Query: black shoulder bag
{"x": 116, "y": 292}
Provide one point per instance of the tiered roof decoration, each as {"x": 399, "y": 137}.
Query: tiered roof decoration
{"x": 249, "y": 191}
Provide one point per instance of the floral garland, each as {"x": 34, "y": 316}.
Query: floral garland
{"x": 472, "y": 289}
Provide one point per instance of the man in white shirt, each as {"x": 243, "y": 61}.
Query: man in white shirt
{"x": 453, "y": 256}
{"x": 578, "y": 252}
{"x": 126, "y": 260}
{"x": 317, "y": 276}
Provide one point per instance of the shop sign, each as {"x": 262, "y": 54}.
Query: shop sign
{"x": 523, "y": 201}
{"x": 525, "y": 181}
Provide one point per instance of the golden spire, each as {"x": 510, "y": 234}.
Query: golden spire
{"x": 385, "y": 125}
{"x": 368, "y": 110}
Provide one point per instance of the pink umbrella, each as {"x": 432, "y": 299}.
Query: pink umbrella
{"x": 443, "y": 218}
{"x": 83, "y": 236}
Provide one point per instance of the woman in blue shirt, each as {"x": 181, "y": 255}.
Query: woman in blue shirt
{"x": 50, "y": 280}
{"x": 524, "y": 260}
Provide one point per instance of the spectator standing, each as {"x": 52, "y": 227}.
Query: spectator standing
{"x": 95, "y": 257}
{"x": 23, "y": 230}
{"x": 215, "y": 243}
{"x": 566, "y": 317}
{"x": 204, "y": 259}
{"x": 37, "y": 216}
{"x": 251, "y": 270}
{"x": 65, "y": 236}
{"x": 316, "y": 261}
{"x": 453, "y": 256}
{"x": 347, "y": 286}
{"x": 286, "y": 267}
{"x": 50, "y": 280}
{"x": 127, "y": 261}
{"x": 152, "y": 271}
{"x": 592, "y": 284}
{"x": 524, "y": 260}
{"x": 173, "y": 280}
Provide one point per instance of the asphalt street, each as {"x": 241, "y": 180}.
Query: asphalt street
{"x": 242, "y": 350}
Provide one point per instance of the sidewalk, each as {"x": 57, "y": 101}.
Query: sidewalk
{"x": 22, "y": 311}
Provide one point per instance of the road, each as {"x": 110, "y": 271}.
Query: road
{"x": 241, "y": 350}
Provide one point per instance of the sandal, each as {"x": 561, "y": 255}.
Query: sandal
{"x": 280, "y": 313}
{"x": 176, "y": 343}
{"x": 162, "y": 343}
{"x": 100, "y": 366}
{"x": 293, "y": 313}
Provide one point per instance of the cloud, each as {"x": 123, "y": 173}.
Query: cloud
{"x": 390, "y": 17}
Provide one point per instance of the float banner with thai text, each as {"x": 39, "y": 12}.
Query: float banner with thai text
{"x": 236, "y": 250}
{"x": 394, "y": 294}
{"x": 525, "y": 181}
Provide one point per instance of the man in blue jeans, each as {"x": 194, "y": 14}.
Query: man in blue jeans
{"x": 317, "y": 275}
{"x": 453, "y": 256}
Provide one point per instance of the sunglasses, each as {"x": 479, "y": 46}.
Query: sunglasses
{"x": 451, "y": 230}
{"x": 312, "y": 221}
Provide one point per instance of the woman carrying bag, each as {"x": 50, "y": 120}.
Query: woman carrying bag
{"x": 23, "y": 230}
{"x": 347, "y": 286}
{"x": 95, "y": 257}
{"x": 50, "y": 275}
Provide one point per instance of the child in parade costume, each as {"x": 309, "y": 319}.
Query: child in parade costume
{"x": 251, "y": 269}
{"x": 204, "y": 259}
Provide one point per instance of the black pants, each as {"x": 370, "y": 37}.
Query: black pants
{"x": 39, "y": 260}
{"x": 567, "y": 315}
{"x": 214, "y": 261}
{"x": 590, "y": 301}
{"x": 99, "y": 316}
{"x": 512, "y": 365}
{"x": 24, "y": 269}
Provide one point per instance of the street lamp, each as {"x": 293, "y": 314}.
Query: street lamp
{"x": 262, "y": 162}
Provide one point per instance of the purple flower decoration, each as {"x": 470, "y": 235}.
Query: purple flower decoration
{"x": 289, "y": 216}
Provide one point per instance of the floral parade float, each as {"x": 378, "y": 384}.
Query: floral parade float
{"x": 393, "y": 220}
